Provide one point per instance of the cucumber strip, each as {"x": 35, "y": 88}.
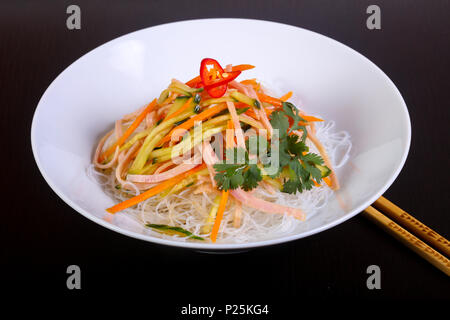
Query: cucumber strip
{"x": 245, "y": 99}
{"x": 212, "y": 216}
{"x": 217, "y": 100}
{"x": 165, "y": 154}
{"x": 251, "y": 122}
{"x": 135, "y": 138}
{"x": 185, "y": 183}
{"x": 163, "y": 96}
{"x": 153, "y": 139}
{"x": 177, "y": 86}
{"x": 324, "y": 170}
{"x": 179, "y": 102}
{"x": 143, "y": 154}
{"x": 163, "y": 228}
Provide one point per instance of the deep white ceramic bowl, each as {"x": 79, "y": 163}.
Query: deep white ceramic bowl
{"x": 123, "y": 74}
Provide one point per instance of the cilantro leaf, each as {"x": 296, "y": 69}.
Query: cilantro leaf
{"x": 279, "y": 120}
{"x": 295, "y": 146}
{"x": 292, "y": 112}
{"x": 235, "y": 175}
{"x": 312, "y": 158}
{"x": 251, "y": 177}
{"x": 291, "y": 186}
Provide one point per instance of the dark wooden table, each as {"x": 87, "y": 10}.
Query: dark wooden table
{"x": 41, "y": 235}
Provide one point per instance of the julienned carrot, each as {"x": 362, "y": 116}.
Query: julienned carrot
{"x": 199, "y": 117}
{"x": 154, "y": 191}
{"x": 229, "y": 135}
{"x": 129, "y": 131}
{"x": 311, "y": 118}
{"x": 286, "y": 96}
{"x": 328, "y": 181}
{"x": 252, "y": 82}
{"x": 269, "y": 112}
{"x": 179, "y": 111}
{"x": 279, "y": 103}
{"x": 274, "y": 101}
{"x": 219, "y": 215}
{"x": 249, "y": 81}
{"x": 241, "y": 67}
{"x": 194, "y": 81}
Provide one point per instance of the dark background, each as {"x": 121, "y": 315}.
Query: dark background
{"x": 41, "y": 235}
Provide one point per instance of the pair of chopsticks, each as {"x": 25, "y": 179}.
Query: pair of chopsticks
{"x": 431, "y": 241}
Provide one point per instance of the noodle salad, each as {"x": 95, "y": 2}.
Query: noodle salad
{"x": 217, "y": 159}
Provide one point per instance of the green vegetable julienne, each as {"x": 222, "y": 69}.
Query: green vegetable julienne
{"x": 241, "y": 110}
{"x": 173, "y": 230}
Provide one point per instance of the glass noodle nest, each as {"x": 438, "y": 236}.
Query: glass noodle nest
{"x": 190, "y": 206}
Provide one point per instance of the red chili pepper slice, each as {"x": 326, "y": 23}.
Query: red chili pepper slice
{"x": 210, "y": 70}
{"x": 226, "y": 77}
{"x": 214, "y": 78}
{"x": 217, "y": 92}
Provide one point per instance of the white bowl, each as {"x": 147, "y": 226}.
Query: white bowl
{"x": 123, "y": 74}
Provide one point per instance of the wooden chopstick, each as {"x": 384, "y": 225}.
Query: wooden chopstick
{"x": 407, "y": 238}
{"x": 415, "y": 226}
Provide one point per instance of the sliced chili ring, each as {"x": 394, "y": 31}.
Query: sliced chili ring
{"x": 218, "y": 91}
{"x": 210, "y": 70}
{"x": 226, "y": 77}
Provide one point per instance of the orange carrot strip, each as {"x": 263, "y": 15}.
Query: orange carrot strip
{"x": 154, "y": 191}
{"x": 252, "y": 82}
{"x": 328, "y": 181}
{"x": 311, "y": 118}
{"x": 194, "y": 81}
{"x": 241, "y": 67}
{"x": 219, "y": 215}
{"x": 286, "y": 96}
{"x": 129, "y": 131}
{"x": 229, "y": 135}
{"x": 265, "y": 98}
{"x": 199, "y": 117}
{"x": 179, "y": 111}
{"x": 249, "y": 81}
{"x": 252, "y": 113}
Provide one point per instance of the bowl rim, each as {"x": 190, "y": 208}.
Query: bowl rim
{"x": 223, "y": 246}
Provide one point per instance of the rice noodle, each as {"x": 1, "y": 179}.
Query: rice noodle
{"x": 118, "y": 129}
{"x": 99, "y": 149}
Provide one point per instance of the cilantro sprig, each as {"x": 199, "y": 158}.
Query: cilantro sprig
{"x": 297, "y": 166}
